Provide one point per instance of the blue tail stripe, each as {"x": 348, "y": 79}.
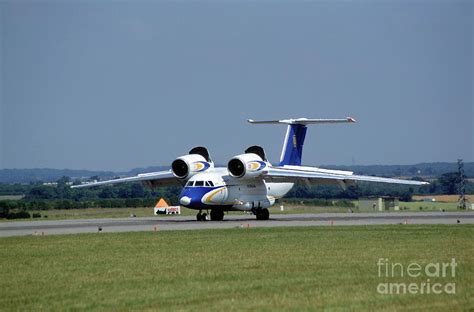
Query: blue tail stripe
{"x": 294, "y": 145}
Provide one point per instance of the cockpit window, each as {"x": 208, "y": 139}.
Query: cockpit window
{"x": 200, "y": 183}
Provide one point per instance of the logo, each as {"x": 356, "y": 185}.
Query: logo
{"x": 199, "y": 166}
{"x": 256, "y": 165}
{"x": 416, "y": 278}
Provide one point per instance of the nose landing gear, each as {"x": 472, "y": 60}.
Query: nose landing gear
{"x": 217, "y": 214}
{"x": 201, "y": 216}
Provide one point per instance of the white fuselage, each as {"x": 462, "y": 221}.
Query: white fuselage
{"x": 216, "y": 188}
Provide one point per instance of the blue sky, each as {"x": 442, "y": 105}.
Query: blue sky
{"x": 115, "y": 85}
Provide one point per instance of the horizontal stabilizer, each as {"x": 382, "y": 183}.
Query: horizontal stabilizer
{"x": 302, "y": 121}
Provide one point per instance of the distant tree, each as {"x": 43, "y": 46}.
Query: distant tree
{"x": 432, "y": 188}
{"x": 352, "y": 192}
{"x": 107, "y": 192}
{"x": 137, "y": 190}
{"x": 4, "y": 209}
{"x": 299, "y": 191}
{"x": 407, "y": 195}
{"x": 42, "y": 192}
{"x": 124, "y": 191}
{"x": 449, "y": 182}
{"x": 62, "y": 189}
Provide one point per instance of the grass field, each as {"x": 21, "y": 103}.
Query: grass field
{"x": 428, "y": 206}
{"x": 89, "y": 213}
{"x": 307, "y": 268}
{"x": 94, "y": 213}
{"x": 444, "y": 198}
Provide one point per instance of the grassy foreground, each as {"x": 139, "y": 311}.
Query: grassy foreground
{"x": 302, "y": 268}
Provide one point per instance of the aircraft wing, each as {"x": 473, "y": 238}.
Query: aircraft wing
{"x": 323, "y": 176}
{"x": 160, "y": 178}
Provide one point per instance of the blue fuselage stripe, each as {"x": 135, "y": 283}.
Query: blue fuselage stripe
{"x": 196, "y": 194}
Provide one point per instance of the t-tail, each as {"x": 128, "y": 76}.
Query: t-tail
{"x": 292, "y": 151}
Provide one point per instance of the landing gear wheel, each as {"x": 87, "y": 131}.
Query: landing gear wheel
{"x": 217, "y": 214}
{"x": 262, "y": 214}
{"x": 201, "y": 216}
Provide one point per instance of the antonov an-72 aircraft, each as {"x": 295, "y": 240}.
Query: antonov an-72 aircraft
{"x": 249, "y": 182}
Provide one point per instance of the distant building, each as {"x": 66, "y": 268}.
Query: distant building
{"x": 385, "y": 203}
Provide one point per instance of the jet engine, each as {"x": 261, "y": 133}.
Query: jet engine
{"x": 247, "y": 165}
{"x": 196, "y": 161}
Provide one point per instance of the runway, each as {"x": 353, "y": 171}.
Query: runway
{"x": 164, "y": 223}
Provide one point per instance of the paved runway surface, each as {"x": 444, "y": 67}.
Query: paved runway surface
{"x": 162, "y": 223}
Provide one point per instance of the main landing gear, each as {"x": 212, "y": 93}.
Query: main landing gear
{"x": 217, "y": 214}
{"x": 262, "y": 214}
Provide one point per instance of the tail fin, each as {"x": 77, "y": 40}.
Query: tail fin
{"x": 292, "y": 151}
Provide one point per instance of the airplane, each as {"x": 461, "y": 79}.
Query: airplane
{"x": 249, "y": 182}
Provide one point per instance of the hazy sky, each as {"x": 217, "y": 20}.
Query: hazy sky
{"x": 115, "y": 85}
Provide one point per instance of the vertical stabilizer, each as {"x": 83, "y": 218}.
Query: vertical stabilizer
{"x": 292, "y": 150}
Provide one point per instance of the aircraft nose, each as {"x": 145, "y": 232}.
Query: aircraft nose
{"x": 185, "y": 200}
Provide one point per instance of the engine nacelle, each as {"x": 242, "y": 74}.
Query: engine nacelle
{"x": 186, "y": 166}
{"x": 247, "y": 165}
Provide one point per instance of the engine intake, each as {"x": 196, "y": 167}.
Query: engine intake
{"x": 180, "y": 168}
{"x": 186, "y": 166}
{"x": 246, "y": 166}
{"x": 236, "y": 168}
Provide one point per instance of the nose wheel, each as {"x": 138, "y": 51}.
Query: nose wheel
{"x": 201, "y": 216}
{"x": 217, "y": 214}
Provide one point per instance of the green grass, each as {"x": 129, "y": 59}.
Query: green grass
{"x": 429, "y": 206}
{"x": 269, "y": 269}
{"x": 94, "y": 213}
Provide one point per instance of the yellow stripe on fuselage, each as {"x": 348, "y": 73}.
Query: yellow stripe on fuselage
{"x": 214, "y": 193}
